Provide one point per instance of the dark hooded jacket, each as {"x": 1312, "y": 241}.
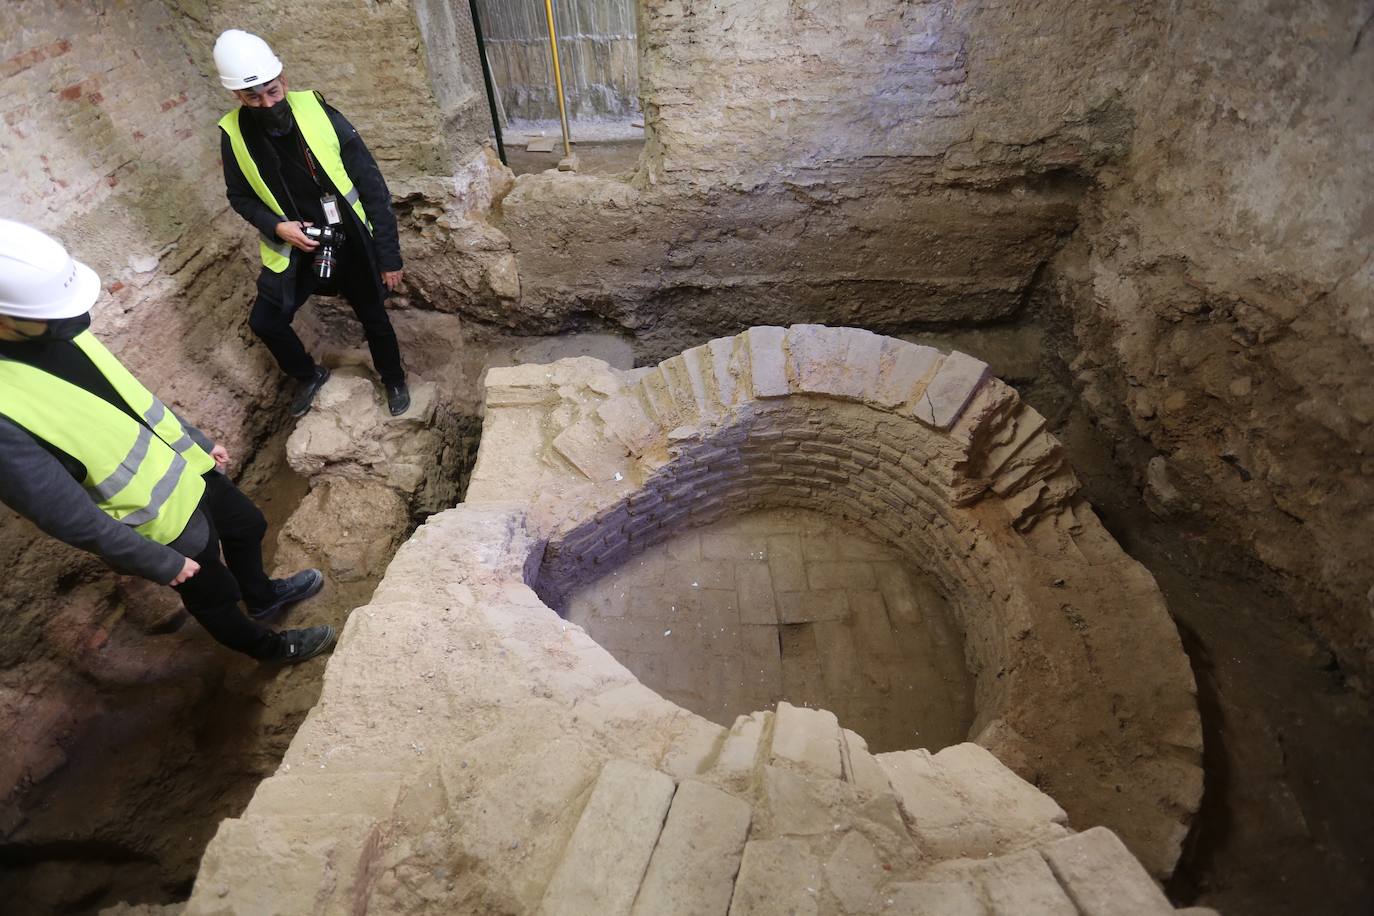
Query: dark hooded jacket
{"x": 381, "y": 247}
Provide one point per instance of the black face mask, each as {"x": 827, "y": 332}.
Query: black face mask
{"x": 62, "y": 328}
{"x": 276, "y": 120}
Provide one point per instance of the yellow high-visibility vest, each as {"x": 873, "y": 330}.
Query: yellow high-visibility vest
{"x": 323, "y": 142}
{"x": 146, "y": 477}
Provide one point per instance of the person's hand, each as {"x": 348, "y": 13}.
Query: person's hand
{"x": 391, "y": 279}
{"x": 188, "y": 569}
{"x": 221, "y": 456}
{"x": 291, "y": 232}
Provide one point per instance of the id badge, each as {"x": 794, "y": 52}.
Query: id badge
{"x": 330, "y": 203}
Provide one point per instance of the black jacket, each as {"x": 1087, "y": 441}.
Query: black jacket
{"x": 43, "y": 483}
{"x": 383, "y": 245}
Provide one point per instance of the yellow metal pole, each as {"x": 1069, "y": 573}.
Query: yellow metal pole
{"x": 558, "y": 78}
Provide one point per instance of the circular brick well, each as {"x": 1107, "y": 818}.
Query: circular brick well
{"x": 786, "y": 604}
{"x": 1079, "y": 681}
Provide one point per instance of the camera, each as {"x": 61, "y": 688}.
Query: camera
{"x": 329, "y": 237}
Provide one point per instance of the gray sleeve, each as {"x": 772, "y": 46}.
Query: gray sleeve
{"x": 196, "y": 435}
{"x": 34, "y": 484}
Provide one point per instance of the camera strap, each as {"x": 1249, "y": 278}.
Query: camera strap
{"x": 328, "y": 202}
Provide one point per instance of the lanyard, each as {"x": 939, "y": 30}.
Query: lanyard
{"x": 309, "y": 160}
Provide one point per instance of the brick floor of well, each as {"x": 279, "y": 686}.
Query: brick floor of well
{"x": 787, "y": 605}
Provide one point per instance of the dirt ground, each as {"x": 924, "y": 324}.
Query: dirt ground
{"x": 605, "y": 158}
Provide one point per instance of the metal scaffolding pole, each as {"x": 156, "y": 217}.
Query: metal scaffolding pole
{"x": 558, "y": 79}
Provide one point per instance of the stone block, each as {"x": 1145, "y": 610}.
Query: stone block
{"x": 692, "y": 751}
{"x": 855, "y": 873}
{"x": 1021, "y": 884}
{"x": 317, "y": 864}
{"x": 807, "y": 738}
{"x": 1102, "y": 877}
{"x": 740, "y": 754}
{"x": 778, "y": 878}
{"x": 806, "y": 607}
{"x": 754, "y": 583}
{"x": 586, "y": 448}
{"x": 761, "y": 660}
{"x": 861, "y": 767}
{"x": 903, "y": 367}
{"x": 626, "y": 419}
{"x": 605, "y": 860}
{"x": 659, "y": 398}
{"x": 304, "y": 794}
{"x": 767, "y": 362}
{"x": 692, "y": 871}
{"x": 932, "y": 898}
{"x": 951, "y": 389}
{"x": 990, "y": 785}
{"x": 688, "y": 388}
{"x": 724, "y": 377}
{"x": 786, "y": 563}
{"x": 840, "y": 362}
{"x": 848, "y": 575}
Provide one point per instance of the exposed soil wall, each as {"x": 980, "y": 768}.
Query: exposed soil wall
{"x": 1221, "y": 287}
{"x": 109, "y": 143}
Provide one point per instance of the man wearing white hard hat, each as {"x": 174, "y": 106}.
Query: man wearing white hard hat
{"x": 96, "y": 460}
{"x": 298, "y": 172}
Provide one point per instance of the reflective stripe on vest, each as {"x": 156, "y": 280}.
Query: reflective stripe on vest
{"x": 323, "y": 141}
{"x": 146, "y": 478}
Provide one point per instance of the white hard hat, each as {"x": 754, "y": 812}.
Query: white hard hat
{"x": 39, "y": 281}
{"x": 244, "y": 60}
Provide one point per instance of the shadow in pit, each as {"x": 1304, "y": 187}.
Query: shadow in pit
{"x": 1214, "y": 821}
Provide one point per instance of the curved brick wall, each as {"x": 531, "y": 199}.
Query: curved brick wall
{"x": 473, "y": 752}
{"x": 1082, "y": 685}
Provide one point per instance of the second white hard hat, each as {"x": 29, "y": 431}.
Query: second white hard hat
{"x": 39, "y": 281}
{"x": 244, "y": 60}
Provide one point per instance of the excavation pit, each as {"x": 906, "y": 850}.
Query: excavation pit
{"x": 470, "y": 722}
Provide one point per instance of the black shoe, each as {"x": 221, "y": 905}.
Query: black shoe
{"x": 305, "y": 394}
{"x": 397, "y": 398}
{"x": 298, "y": 645}
{"x": 289, "y": 591}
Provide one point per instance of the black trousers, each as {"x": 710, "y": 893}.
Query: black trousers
{"x": 212, "y": 595}
{"x": 271, "y": 317}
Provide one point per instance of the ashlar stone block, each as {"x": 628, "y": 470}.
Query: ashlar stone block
{"x": 902, "y": 368}
{"x": 854, "y": 873}
{"x": 932, "y": 898}
{"x": 591, "y": 452}
{"x": 778, "y": 878}
{"x": 1102, "y": 877}
{"x": 605, "y": 860}
{"x": 767, "y": 361}
{"x": 949, "y": 392}
{"x": 692, "y": 871}
{"x": 809, "y": 739}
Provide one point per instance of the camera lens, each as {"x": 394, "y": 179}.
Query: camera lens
{"x": 324, "y": 262}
